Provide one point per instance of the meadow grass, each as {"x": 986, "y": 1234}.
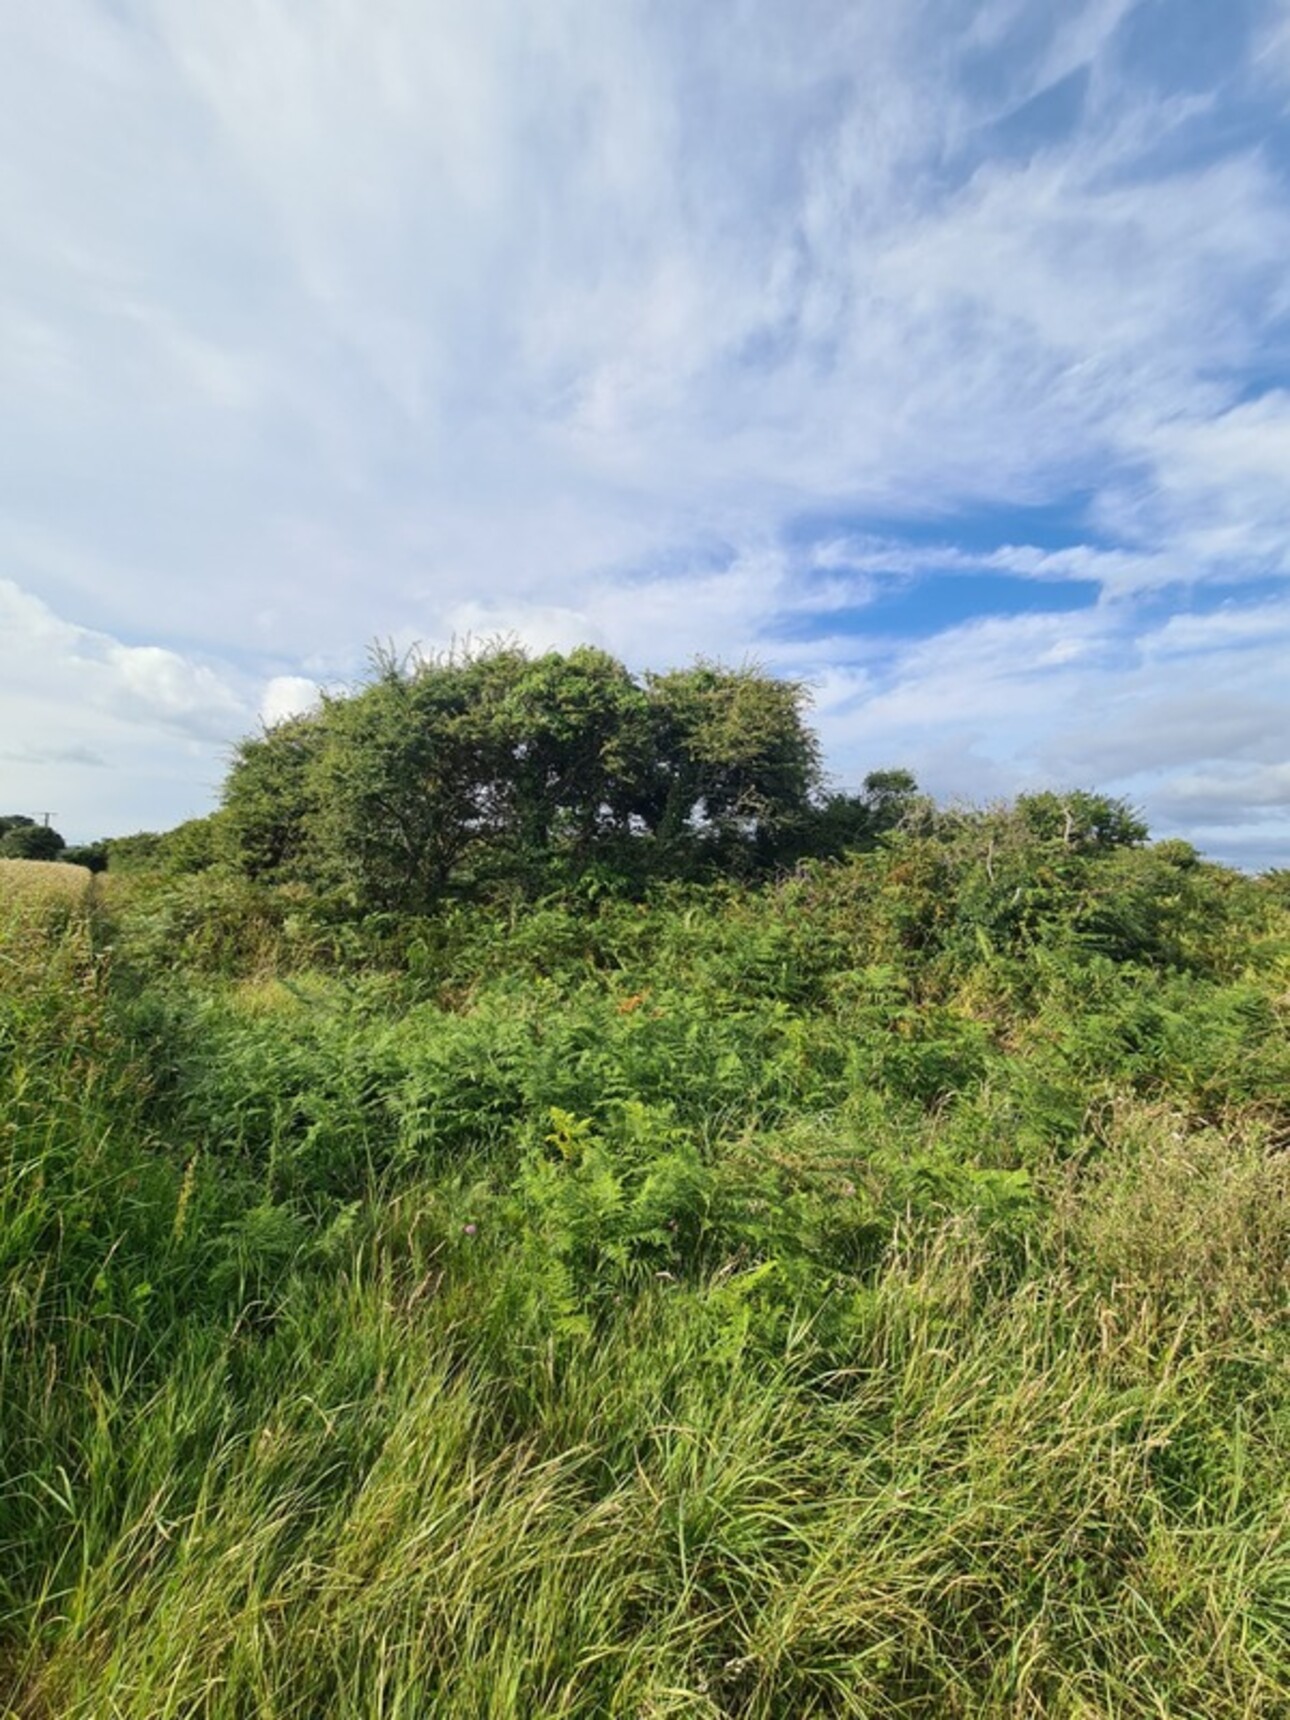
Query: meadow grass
{"x": 458, "y": 1341}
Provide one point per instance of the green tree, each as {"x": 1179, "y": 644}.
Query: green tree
{"x": 134, "y": 854}
{"x": 734, "y": 761}
{"x": 480, "y": 768}
{"x": 196, "y": 845}
{"x": 92, "y": 855}
{"x": 268, "y": 798}
{"x": 1081, "y": 820}
{"x": 844, "y": 822}
{"x": 573, "y": 735}
{"x": 890, "y": 796}
{"x": 403, "y": 786}
{"x": 27, "y": 840}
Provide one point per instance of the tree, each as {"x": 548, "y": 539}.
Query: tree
{"x": 363, "y": 792}
{"x": 27, "y": 840}
{"x": 734, "y": 761}
{"x": 138, "y": 853}
{"x": 889, "y": 795}
{"x": 474, "y": 769}
{"x": 400, "y": 788}
{"x": 196, "y": 845}
{"x": 843, "y": 822}
{"x": 577, "y": 734}
{"x": 1081, "y": 820}
{"x": 267, "y": 798}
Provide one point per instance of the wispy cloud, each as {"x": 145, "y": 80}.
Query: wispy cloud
{"x": 420, "y": 320}
{"x": 42, "y": 757}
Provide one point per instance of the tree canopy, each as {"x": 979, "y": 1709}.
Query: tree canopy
{"x": 499, "y": 765}
{"x": 21, "y": 838}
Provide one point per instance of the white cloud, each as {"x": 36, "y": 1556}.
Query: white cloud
{"x": 416, "y": 320}
{"x": 1220, "y": 487}
{"x": 1271, "y": 57}
{"x": 143, "y": 683}
{"x": 1235, "y": 795}
{"x": 109, "y": 735}
{"x": 287, "y": 696}
{"x": 1230, "y": 629}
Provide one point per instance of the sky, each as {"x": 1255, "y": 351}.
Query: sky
{"x": 936, "y": 354}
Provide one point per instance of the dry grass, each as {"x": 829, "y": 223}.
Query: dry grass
{"x": 38, "y": 884}
{"x": 43, "y": 878}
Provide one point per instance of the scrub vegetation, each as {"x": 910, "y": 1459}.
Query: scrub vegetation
{"x": 786, "y": 1255}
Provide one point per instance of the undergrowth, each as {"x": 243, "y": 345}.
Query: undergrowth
{"x": 864, "y": 1295}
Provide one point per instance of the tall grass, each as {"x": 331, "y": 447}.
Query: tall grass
{"x": 669, "y": 1315}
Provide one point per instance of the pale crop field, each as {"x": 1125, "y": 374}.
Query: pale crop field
{"x": 43, "y": 877}
{"x": 38, "y": 884}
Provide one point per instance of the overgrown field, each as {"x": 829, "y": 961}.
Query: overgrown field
{"x": 863, "y": 1294}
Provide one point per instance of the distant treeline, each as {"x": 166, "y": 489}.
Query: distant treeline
{"x": 22, "y": 838}
{"x": 466, "y": 774}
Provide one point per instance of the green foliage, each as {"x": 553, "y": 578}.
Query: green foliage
{"x": 212, "y": 922}
{"x": 267, "y": 798}
{"x": 831, "y": 825}
{"x": 23, "y": 839}
{"x": 731, "y": 755}
{"x": 611, "y": 1201}
{"x": 138, "y": 854}
{"x": 92, "y": 855}
{"x": 573, "y": 749}
{"x": 401, "y": 785}
{"x": 197, "y": 845}
{"x": 1081, "y": 820}
{"x": 194, "y": 846}
{"x": 493, "y": 769}
{"x": 859, "y": 1293}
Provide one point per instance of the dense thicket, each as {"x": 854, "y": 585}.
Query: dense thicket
{"x": 859, "y": 1293}
{"x": 499, "y": 768}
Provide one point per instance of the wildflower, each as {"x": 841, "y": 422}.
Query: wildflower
{"x": 469, "y": 1229}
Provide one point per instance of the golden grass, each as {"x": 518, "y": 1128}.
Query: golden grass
{"x": 34, "y": 881}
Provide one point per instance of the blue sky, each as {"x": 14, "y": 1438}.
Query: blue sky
{"x": 938, "y": 354}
